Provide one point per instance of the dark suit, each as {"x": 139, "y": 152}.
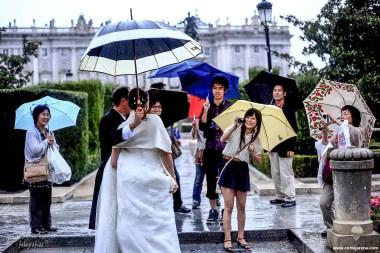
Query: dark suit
{"x": 108, "y": 136}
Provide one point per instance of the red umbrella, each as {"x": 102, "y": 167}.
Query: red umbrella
{"x": 196, "y": 105}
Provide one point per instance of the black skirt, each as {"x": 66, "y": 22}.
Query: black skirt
{"x": 236, "y": 176}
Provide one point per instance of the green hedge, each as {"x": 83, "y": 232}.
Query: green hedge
{"x": 73, "y": 141}
{"x": 95, "y": 91}
{"x": 303, "y": 165}
{"x": 108, "y": 89}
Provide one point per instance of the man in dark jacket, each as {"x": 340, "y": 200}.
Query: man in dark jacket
{"x": 281, "y": 157}
{"x": 109, "y": 135}
{"x": 212, "y": 154}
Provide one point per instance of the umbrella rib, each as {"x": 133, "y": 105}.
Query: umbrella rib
{"x": 152, "y": 53}
{"x": 344, "y": 101}
{"x": 171, "y": 51}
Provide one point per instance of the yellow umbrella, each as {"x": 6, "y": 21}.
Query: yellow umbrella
{"x": 275, "y": 128}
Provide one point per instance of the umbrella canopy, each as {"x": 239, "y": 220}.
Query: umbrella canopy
{"x": 174, "y": 105}
{"x": 197, "y": 81}
{"x": 171, "y": 71}
{"x": 275, "y": 128}
{"x": 329, "y": 97}
{"x": 63, "y": 113}
{"x": 260, "y": 89}
{"x": 133, "y": 47}
{"x": 196, "y": 106}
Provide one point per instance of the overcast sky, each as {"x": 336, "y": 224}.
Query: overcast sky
{"x": 173, "y": 11}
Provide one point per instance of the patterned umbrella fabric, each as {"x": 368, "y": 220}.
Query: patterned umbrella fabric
{"x": 171, "y": 71}
{"x": 275, "y": 128}
{"x": 328, "y": 97}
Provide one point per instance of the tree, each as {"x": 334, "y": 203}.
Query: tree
{"x": 12, "y": 74}
{"x": 345, "y": 36}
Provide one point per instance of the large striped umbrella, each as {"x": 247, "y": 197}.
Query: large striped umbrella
{"x": 133, "y": 47}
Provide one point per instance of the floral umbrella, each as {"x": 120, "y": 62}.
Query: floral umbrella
{"x": 329, "y": 97}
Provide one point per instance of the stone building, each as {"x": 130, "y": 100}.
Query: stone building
{"x": 227, "y": 47}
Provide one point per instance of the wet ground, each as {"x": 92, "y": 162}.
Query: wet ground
{"x": 71, "y": 217}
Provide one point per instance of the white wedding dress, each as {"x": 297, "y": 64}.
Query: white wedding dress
{"x": 135, "y": 210}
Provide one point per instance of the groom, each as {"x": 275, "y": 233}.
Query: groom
{"x": 109, "y": 135}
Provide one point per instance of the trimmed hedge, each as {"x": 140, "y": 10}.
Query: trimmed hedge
{"x": 303, "y": 165}
{"x": 95, "y": 91}
{"x": 307, "y": 165}
{"x": 108, "y": 89}
{"x": 73, "y": 141}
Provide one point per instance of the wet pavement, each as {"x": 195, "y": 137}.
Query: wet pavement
{"x": 304, "y": 221}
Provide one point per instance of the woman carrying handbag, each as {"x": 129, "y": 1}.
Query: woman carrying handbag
{"x": 37, "y": 142}
{"x": 243, "y": 147}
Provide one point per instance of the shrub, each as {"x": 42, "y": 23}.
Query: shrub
{"x": 73, "y": 141}
{"x": 107, "y": 101}
{"x": 95, "y": 91}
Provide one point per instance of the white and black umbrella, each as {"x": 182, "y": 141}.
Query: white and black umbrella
{"x": 133, "y": 47}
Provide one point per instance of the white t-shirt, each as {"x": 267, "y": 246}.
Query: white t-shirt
{"x": 233, "y": 145}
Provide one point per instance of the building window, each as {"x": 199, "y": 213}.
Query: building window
{"x": 44, "y": 52}
{"x": 237, "y": 49}
{"x": 5, "y": 51}
{"x": 64, "y": 52}
{"x": 16, "y": 51}
{"x": 206, "y": 51}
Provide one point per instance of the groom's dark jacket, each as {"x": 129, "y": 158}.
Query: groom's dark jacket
{"x": 109, "y": 136}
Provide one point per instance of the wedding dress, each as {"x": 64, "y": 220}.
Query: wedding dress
{"x": 135, "y": 211}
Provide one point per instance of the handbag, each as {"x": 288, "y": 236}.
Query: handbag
{"x": 327, "y": 173}
{"x": 37, "y": 171}
{"x": 176, "y": 150}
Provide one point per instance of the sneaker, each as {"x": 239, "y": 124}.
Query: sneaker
{"x": 276, "y": 201}
{"x": 288, "y": 204}
{"x": 196, "y": 204}
{"x": 182, "y": 209}
{"x": 212, "y": 216}
{"x": 221, "y": 217}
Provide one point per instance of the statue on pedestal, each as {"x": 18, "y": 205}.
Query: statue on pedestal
{"x": 191, "y": 26}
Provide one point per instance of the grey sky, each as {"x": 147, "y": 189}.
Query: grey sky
{"x": 173, "y": 11}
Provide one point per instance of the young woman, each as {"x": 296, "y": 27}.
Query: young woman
{"x": 243, "y": 147}
{"x": 36, "y": 143}
{"x": 350, "y": 115}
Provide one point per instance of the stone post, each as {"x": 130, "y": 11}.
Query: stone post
{"x": 352, "y": 228}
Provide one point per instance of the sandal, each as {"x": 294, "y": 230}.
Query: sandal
{"x": 227, "y": 248}
{"x": 243, "y": 244}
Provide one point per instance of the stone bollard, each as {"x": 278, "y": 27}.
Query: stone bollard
{"x": 352, "y": 228}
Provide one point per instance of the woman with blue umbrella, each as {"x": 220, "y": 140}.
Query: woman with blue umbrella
{"x": 37, "y": 142}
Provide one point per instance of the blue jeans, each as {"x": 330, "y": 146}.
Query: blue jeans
{"x": 198, "y": 182}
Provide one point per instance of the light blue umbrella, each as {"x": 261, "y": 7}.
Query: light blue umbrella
{"x": 63, "y": 113}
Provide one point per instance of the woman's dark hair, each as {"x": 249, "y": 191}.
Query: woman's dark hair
{"x": 250, "y": 112}
{"x": 38, "y": 110}
{"x": 355, "y": 113}
{"x": 119, "y": 93}
{"x": 132, "y": 98}
{"x": 153, "y": 101}
{"x": 220, "y": 80}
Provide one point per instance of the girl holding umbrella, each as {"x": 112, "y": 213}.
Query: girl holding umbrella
{"x": 243, "y": 147}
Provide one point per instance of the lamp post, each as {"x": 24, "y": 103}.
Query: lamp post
{"x": 265, "y": 13}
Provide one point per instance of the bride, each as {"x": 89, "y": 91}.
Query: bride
{"x": 135, "y": 210}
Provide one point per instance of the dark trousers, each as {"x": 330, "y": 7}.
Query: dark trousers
{"x": 98, "y": 182}
{"x": 39, "y": 207}
{"x": 177, "y": 198}
{"x": 212, "y": 162}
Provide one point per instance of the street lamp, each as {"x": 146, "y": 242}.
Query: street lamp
{"x": 265, "y": 14}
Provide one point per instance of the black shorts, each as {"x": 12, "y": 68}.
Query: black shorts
{"x": 236, "y": 176}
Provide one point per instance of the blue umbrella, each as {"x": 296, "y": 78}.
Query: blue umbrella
{"x": 197, "y": 81}
{"x": 63, "y": 113}
{"x": 171, "y": 71}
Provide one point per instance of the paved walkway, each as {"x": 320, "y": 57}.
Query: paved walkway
{"x": 71, "y": 216}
